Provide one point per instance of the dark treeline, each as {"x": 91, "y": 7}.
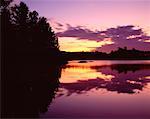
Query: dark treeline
{"x": 120, "y": 54}
{"x": 125, "y": 68}
{"x": 31, "y": 62}
{"x": 26, "y": 36}
{"x": 124, "y": 53}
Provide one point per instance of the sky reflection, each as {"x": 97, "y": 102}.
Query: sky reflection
{"x": 121, "y": 78}
{"x": 85, "y": 90}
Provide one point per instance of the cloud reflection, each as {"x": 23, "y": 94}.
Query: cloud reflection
{"x": 120, "y": 78}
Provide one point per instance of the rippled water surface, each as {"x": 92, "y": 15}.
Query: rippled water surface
{"x": 102, "y": 89}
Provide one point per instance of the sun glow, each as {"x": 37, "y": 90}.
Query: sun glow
{"x": 70, "y": 44}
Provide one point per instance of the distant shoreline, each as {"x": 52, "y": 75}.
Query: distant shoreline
{"x": 106, "y": 59}
{"x": 120, "y": 54}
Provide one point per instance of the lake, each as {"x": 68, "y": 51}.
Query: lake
{"x": 102, "y": 88}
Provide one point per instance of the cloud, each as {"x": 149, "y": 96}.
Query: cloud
{"x": 56, "y": 26}
{"x": 59, "y": 24}
{"x": 81, "y": 33}
{"x": 126, "y": 36}
{"x": 121, "y": 36}
{"x": 123, "y": 31}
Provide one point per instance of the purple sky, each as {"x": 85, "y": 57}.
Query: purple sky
{"x": 94, "y": 16}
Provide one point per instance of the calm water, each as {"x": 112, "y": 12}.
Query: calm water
{"x": 102, "y": 89}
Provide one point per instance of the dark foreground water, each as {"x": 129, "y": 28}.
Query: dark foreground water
{"x": 85, "y": 89}
{"x": 111, "y": 89}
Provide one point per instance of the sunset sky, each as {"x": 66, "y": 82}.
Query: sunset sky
{"x": 90, "y": 25}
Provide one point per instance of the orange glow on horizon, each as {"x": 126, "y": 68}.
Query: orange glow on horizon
{"x": 71, "y": 44}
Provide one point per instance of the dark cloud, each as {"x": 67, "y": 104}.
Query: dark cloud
{"x": 126, "y": 36}
{"x": 130, "y": 36}
{"x": 81, "y": 33}
{"x": 57, "y": 28}
{"x": 140, "y": 45}
{"x": 144, "y": 37}
{"x": 123, "y": 31}
{"x": 59, "y": 24}
{"x": 51, "y": 20}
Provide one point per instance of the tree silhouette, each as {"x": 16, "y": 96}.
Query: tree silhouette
{"x": 28, "y": 33}
{"x": 29, "y": 46}
{"x": 124, "y": 53}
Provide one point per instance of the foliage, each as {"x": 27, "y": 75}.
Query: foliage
{"x": 23, "y": 31}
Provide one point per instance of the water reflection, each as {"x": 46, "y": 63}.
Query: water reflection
{"x": 28, "y": 90}
{"x": 102, "y": 89}
{"x": 121, "y": 78}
